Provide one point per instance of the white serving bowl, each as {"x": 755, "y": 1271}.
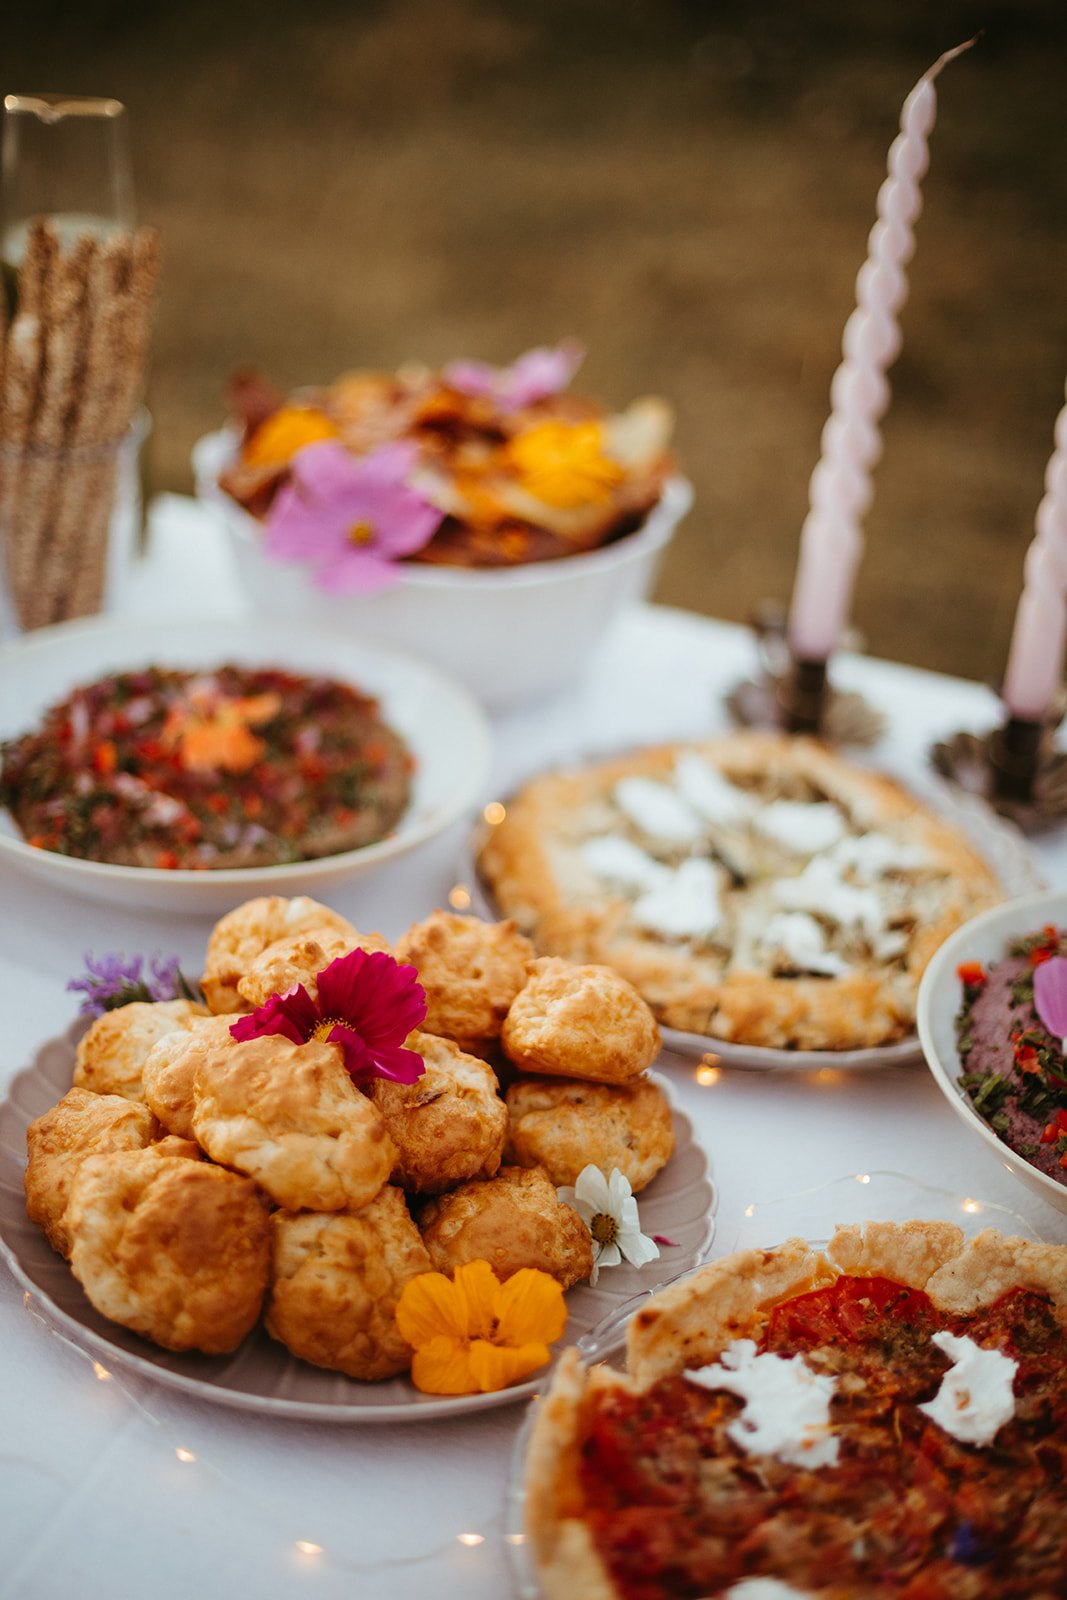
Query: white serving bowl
{"x": 985, "y": 938}
{"x": 508, "y": 634}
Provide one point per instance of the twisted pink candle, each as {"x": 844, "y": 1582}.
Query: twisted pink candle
{"x": 1035, "y": 659}
{"x": 840, "y": 489}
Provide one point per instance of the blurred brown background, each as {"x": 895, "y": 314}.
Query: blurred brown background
{"x": 686, "y": 187}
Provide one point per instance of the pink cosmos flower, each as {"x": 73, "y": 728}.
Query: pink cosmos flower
{"x": 534, "y": 376}
{"x": 350, "y": 518}
{"x": 368, "y": 1004}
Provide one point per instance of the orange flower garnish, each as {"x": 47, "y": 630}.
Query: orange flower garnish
{"x": 563, "y": 464}
{"x": 474, "y": 1334}
{"x": 276, "y": 441}
{"x": 213, "y": 733}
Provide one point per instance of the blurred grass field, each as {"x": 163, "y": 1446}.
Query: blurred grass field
{"x": 687, "y": 188}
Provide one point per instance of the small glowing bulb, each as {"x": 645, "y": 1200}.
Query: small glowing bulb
{"x": 101, "y": 1372}
{"x": 184, "y": 1455}
{"x": 515, "y": 1538}
{"x": 971, "y": 1206}
{"x": 459, "y": 898}
{"x": 828, "y": 1075}
{"x": 750, "y": 1211}
{"x": 471, "y": 1539}
{"x": 494, "y": 813}
{"x": 708, "y": 1071}
{"x": 306, "y": 1548}
{"x": 863, "y": 1177}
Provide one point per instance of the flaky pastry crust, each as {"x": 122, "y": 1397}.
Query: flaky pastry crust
{"x": 514, "y": 1220}
{"x": 716, "y": 983}
{"x": 336, "y": 1280}
{"x": 449, "y": 1125}
{"x": 246, "y": 931}
{"x": 563, "y": 1125}
{"x": 169, "y": 1070}
{"x": 298, "y": 959}
{"x": 580, "y": 1022}
{"x": 690, "y": 1323}
{"x": 470, "y": 970}
{"x": 177, "y": 1250}
{"x": 57, "y": 1142}
{"x": 111, "y": 1054}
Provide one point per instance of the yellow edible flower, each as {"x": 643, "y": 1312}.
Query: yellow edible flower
{"x": 564, "y": 464}
{"x": 474, "y": 1334}
{"x": 276, "y": 441}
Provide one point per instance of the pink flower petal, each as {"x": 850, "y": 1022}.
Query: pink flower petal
{"x": 378, "y": 997}
{"x": 293, "y": 1015}
{"x": 541, "y": 372}
{"x": 1050, "y": 995}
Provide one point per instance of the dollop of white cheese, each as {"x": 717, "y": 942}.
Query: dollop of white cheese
{"x": 618, "y": 860}
{"x": 657, "y": 810}
{"x": 685, "y": 906}
{"x": 799, "y": 826}
{"x": 800, "y": 939}
{"x": 871, "y": 855}
{"x": 976, "y": 1397}
{"x": 820, "y": 890}
{"x": 787, "y": 1405}
{"x": 765, "y": 1589}
{"x": 711, "y": 795}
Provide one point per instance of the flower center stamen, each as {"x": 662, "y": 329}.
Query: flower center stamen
{"x": 322, "y": 1030}
{"x": 604, "y": 1229}
{"x": 360, "y": 533}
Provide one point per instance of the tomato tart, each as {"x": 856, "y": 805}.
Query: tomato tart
{"x": 753, "y": 888}
{"x": 884, "y": 1417}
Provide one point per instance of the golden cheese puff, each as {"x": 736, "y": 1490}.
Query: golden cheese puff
{"x": 110, "y": 1056}
{"x": 170, "y": 1067}
{"x": 562, "y": 1125}
{"x": 299, "y": 959}
{"x": 336, "y": 1280}
{"x": 513, "y": 1220}
{"x": 471, "y": 972}
{"x": 80, "y": 1125}
{"x": 245, "y": 932}
{"x": 447, "y": 1126}
{"x": 580, "y": 1022}
{"x": 178, "y": 1251}
{"x": 289, "y": 1116}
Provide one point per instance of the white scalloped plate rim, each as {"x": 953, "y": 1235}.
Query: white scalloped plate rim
{"x": 1001, "y": 845}
{"x": 321, "y": 1396}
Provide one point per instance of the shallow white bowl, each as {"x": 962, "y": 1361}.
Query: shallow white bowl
{"x": 443, "y": 727}
{"x": 985, "y": 938}
{"x": 509, "y": 634}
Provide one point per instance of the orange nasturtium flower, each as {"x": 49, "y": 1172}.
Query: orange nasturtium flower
{"x": 277, "y": 440}
{"x": 213, "y": 734}
{"x": 564, "y": 463}
{"x": 475, "y": 1334}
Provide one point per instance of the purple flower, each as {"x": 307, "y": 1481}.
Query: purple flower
{"x": 368, "y": 1004}
{"x": 350, "y": 518}
{"x": 112, "y": 981}
{"x": 534, "y": 376}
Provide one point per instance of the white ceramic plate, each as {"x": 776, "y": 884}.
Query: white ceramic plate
{"x": 985, "y": 938}
{"x": 811, "y": 1214}
{"x": 999, "y": 843}
{"x": 261, "y": 1375}
{"x": 444, "y": 728}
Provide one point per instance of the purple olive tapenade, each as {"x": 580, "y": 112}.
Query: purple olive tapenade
{"x": 234, "y": 767}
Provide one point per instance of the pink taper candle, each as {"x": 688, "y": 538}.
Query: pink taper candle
{"x": 1035, "y": 659}
{"x": 840, "y": 489}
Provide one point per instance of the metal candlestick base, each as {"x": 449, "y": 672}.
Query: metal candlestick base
{"x": 796, "y": 696}
{"x": 1016, "y": 767}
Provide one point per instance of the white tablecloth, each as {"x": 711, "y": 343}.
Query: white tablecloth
{"x": 111, "y": 1485}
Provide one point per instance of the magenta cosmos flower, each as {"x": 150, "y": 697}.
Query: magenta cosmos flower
{"x": 368, "y": 1004}
{"x": 534, "y": 376}
{"x": 350, "y": 518}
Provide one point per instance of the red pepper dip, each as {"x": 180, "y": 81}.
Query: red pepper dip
{"x": 1014, "y": 1071}
{"x": 678, "y": 1511}
{"x": 236, "y": 767}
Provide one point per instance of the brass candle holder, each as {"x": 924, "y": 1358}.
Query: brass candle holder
{"x": 794, "y": 695}
{"x": 1017, "y": 767}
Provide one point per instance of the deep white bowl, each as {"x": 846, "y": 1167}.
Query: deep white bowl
{"x": 985, "y": 938}
{"x": 508, "y": 634}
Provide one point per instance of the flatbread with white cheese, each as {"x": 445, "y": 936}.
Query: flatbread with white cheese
{"x": 754, "y": 888}
{"x": 936, "y": 1458}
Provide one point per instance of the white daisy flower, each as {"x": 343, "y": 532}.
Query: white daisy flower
{"x": 609, "y": 1211}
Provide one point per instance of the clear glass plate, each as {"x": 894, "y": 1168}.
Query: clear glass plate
{"x": 261, "y": 1375}
{"x": 810, "y": 1214}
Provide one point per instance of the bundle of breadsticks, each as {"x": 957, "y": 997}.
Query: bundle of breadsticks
{"x": 72, "y": 363}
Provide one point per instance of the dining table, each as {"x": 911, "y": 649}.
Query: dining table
{"x": 113, "y": 1484}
